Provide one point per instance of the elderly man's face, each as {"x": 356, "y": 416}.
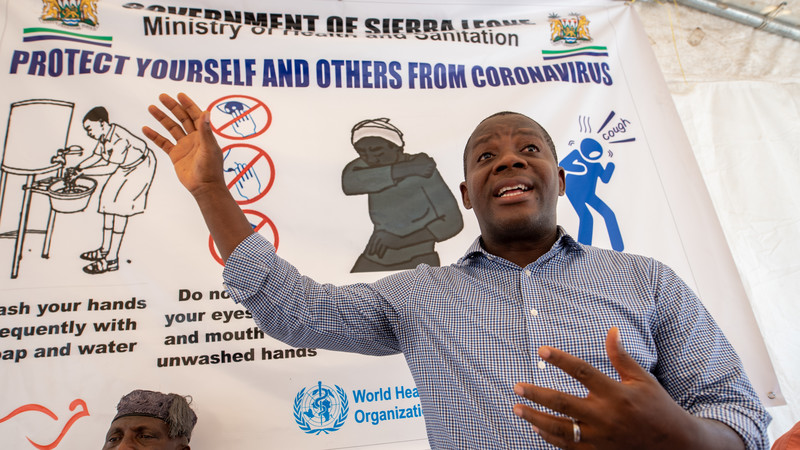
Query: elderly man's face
{"x": 141, "y": 432}
{"x": 377, "y": 151}
{"x": 512, "y": 178}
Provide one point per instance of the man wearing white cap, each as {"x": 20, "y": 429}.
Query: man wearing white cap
{"x": 409, "y": 203}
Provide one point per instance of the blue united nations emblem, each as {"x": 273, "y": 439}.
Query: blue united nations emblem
{"x": 320, "y": 409}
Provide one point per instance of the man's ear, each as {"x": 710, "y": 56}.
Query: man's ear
{"x": 562, "y": 183}
{"x": 465, "y": 195}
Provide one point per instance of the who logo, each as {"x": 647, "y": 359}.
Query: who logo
{"x": 321, "y": 408}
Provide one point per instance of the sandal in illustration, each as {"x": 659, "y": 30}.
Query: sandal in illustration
{"x": 94, "y": 255}
{"x": 102, "y": 266}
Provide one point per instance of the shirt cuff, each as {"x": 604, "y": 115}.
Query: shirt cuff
{"x": 752, "y": 430}
{"x": 247, "y": 267}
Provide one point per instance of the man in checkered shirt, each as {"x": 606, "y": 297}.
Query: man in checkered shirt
{"x": 520, "y": 343}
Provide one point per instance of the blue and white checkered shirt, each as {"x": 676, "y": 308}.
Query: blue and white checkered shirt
{"x": 471, "y": 330}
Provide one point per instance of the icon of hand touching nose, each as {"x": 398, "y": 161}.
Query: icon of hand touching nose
{"x": 248, "y": 184}
{"x": 244, "y": 125}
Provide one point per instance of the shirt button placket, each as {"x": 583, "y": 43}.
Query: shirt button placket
{"x": 536, "y": 326}
{"x": 527, "y": 282}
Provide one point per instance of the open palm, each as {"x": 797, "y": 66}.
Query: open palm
{"x": 195, "y": 154}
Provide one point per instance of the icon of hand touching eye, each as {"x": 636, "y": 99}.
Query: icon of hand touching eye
{"x": 244, "y": 125}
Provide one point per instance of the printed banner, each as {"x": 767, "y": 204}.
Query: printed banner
{"x": 111, "y": 281}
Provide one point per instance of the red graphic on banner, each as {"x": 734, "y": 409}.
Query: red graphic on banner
{"x": 252, "y": 169}
{"x": 239, "y": 117}
{"x": 39, "y": 408}
{"x": 257, "y": 221}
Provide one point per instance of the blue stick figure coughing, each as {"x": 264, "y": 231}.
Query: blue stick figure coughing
{"x": 582, "y": 174}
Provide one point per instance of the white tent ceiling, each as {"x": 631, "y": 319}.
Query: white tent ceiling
{"x": 692, "y": 46}
{"x": 786, "y": 11}
{"x": 737, "y": 90}
{"x": 780, "y": 17}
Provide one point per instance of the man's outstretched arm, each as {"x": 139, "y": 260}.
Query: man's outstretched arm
{"x": 197, "y": 160}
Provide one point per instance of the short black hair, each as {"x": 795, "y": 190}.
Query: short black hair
{"x": 96, "y": 114}
{"x": 547, "y": 137}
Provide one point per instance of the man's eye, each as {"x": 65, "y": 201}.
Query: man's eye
{"x": 485, "y": 155}
{"x": 531, "y": 148}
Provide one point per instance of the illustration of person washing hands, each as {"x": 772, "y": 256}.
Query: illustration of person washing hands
{"x": 131, "y": 167}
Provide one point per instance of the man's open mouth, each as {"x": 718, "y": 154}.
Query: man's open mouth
{"x": 510, "y": 191}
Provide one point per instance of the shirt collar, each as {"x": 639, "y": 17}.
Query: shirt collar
{"x": 564, "y": 242}
{"x": 107, "y": 137}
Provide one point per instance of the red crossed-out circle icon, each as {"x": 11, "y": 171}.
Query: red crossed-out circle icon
{"x": 260, "y": 223}
{"x": 239, "y": 117}
{"x": 249, "y": 172}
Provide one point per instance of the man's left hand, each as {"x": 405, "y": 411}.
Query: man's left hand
{"x": 635, "y": 412}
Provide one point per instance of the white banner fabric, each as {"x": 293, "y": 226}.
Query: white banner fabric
{"x": 286, "y": 84}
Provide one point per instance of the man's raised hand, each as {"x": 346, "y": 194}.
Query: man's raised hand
{"x": 198, "y": 163}
{"x": 195, "y": 154}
